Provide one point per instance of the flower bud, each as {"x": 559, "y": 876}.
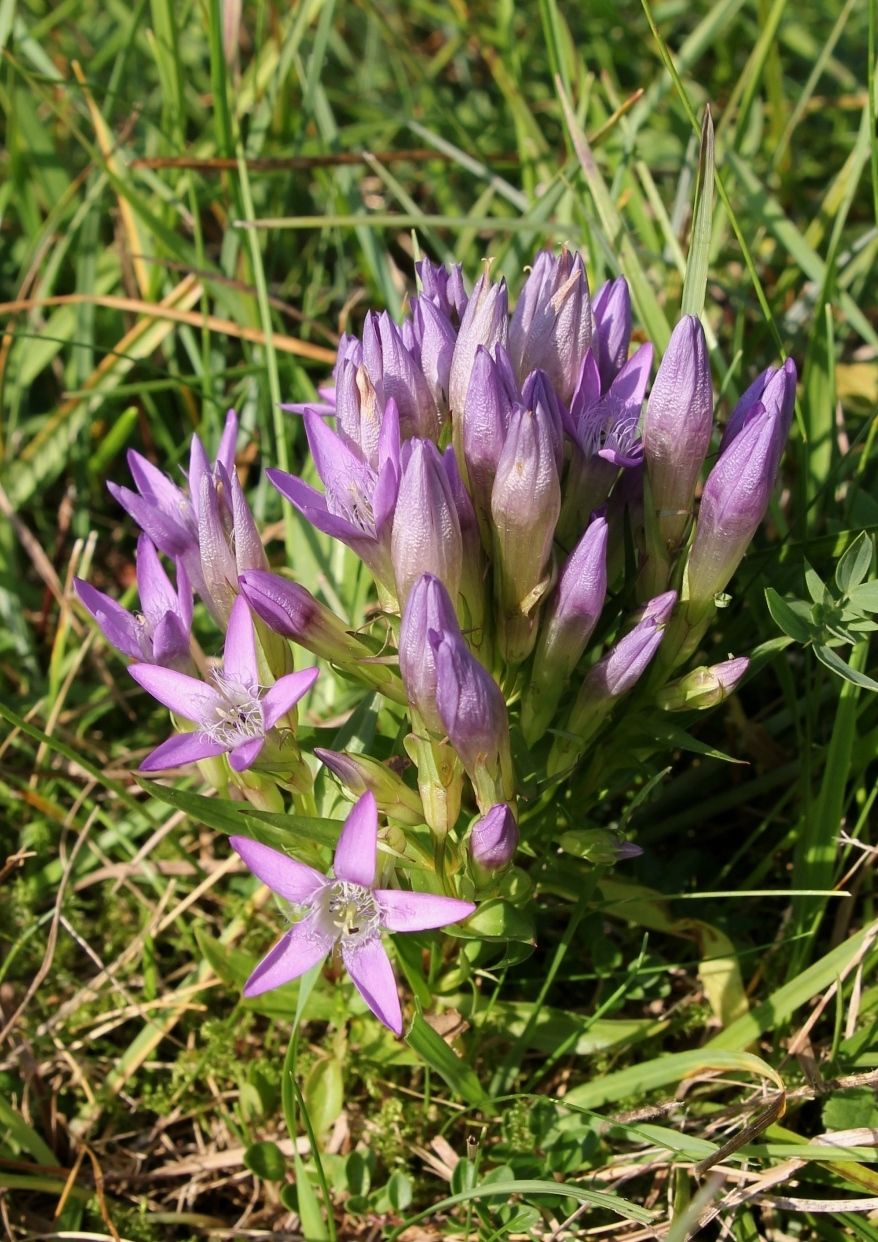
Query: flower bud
{"x": 774, "y": 390}
{"x": 598, "y": 845}
{"x": 525, "y": 503}
{"x": 493, "y": 840}
{"x": 621, "y": 669}
{"x": 427, "y": 609}
{"x": 551, "y": 326}
{"x": 537, "y": 393}
{"x": 704, "y": 687}
{"x": 426, "y": 534}
{"x": 733, "y": 504}
{"x": 359, "y": 773}
{"x": 571, "y": 616}
{"x": 443, "y": 287}
{"x": 398, "y": 377}
{"x": 612, "y": 328}
{"x": 292, "y": 611}
{"x": 676, "y": 430}
{"x": 485, "y": 322}
{"x": 473, "y": 712}
{"x": 436, "y": 339}
{"x": 358, "y": 411}
{"x": 482, "y": 423}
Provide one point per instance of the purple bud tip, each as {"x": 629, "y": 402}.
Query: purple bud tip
{"x": 494, "y": 838}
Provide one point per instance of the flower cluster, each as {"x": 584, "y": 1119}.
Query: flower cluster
{"x": 532, "y": 511}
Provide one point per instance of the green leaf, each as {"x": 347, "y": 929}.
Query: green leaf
{"x": 324, "y": 1093}
{"x": 851, "y": 570}
{"x": 266, "y": 1160}
{"x": 269, "y": 827}
{"x": 497, "y": 920}
{"x": 864, "y": 598}
{"x": 833, "y": 661}
{"x": 816, "y": 587}
{"x": 400, "y": 1190}
{"x": 432, "y": 1048}
{"x": 695, "y": 280}
{"x": 849, "y": 1110}
{"x": 786, "y": 619}
{"x": 674, "y": 1067}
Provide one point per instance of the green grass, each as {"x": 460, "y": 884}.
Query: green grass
{"x": 687, "y": 1024}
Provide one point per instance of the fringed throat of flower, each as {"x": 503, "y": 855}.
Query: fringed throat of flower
{"x": 239, "y": 716}
{"x": 350, "y": 914}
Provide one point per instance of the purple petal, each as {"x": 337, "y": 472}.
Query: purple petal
{"x": 170, "y": 641}
{"x": 225, "y": 454}
{"x": 157, "y": 596}
{"x": 302, "y": 947}
{"x": 182, "y": 748}
{"x": 187, "y": 696}
{"x": 356, "y": 853}
{"x": 184, "y": 594}
{"x": 285, "y": 693}
{"x": 239, "y": 653}
{"x": 119, "y": 627}
{"x": 369, "y": 967}
{"x": 249, "y": 552}
{"x": 153, "y": 485}
{"x": 241, "y": 757}
{"x": 312, "y": 505}
{"x": 630, "y": 384}
{"x": 199, "y": 468}
{"x": 170, "y": 535}
{"x": 410, "y": 912}
{"x": 293, "y": 880}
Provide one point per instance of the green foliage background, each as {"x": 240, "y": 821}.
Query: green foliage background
{"x": 323, "y": 145}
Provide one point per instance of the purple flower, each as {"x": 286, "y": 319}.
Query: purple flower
{"x": 612, "y": 328}
{"x": 485, "y": 322}
{"x": 493, "y": 840}
{"x": 435, "y": 339}
{"x": 428, "y": 609}
{"x": 359, "y": 773}
{"x": 774, "y": 390}
{"x": 426, "y": 534}
{"x": 621, "y": 669}
{"x": 159, "y": 633}
{"x": 292, "y": 611}
{"x": 525, "y": 504}
{"x": 605, "y": 434}
{"x": 160, "y": 507}
{"x": 344, "y": 912}
{"x": 443, "y": 287}
{"x": 571, "y": 616}
{"x": 734, "y": 501}
{"x": 174, "y": 520}
{"x": 233, "y": 715}
{"x": 228, "y": 539}
{"x": 481, "y": 424}
{"x": 473, "y": 712}
{"x": 398, "y": 377}
{"x": 676, "y": 430}
{"x": 552, "y": 323}
{"x": 703, "y": 687}
{"x": 358, "y": 503}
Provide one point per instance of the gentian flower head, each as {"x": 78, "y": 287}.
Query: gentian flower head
{"x": 234, "y": 715}
{"x": 159, "y": 633}
{"x": 552, "y": 323}
{"x": 209, "y": 529}
{"x": 358, "y": 501}
{"x": 345, "y": 912}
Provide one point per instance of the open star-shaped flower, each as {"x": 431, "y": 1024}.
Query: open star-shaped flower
{"x": 344, "y": 911}
{"x": 233, "y": 715}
